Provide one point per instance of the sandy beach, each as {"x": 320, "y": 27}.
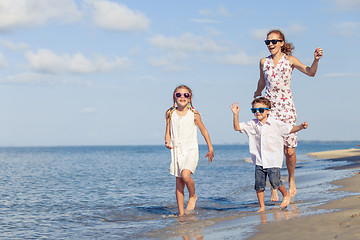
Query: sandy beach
{"x": 343, "y": 223}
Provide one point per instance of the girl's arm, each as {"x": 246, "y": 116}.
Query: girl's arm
{"x": 206, "y": 136}
{"x": 235, "y": 109}
{"x": 297, "y": 128}
{"x": 261, "y": 82}
{"x": 310, "y": 71}
{"x": 167, "y": 131}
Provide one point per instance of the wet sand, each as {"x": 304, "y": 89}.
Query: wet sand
{"x": 343, "y": 223}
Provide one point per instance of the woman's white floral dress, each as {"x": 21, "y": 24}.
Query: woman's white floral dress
{"x": 278, "y": 79}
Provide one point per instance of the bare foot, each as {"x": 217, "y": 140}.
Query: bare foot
{"x": 274, "y": 195}
{"x": 191, "y": 204}
{"x": 285, "y": 202}
{"x": 292, "y": 188}
{"x": 261, "y": 209}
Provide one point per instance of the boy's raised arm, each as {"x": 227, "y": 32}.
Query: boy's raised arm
{"x": 235, "y": 109}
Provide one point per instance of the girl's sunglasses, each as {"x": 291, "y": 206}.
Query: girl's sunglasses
{"x": 275, "y": 41}
{"x": 261, "y": 110}
{"x": 186, "y": 95}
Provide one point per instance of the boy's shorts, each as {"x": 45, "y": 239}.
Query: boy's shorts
{"x": 260, "y": 177}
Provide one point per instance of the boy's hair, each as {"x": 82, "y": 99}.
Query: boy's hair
{"x": 262, "y": 100}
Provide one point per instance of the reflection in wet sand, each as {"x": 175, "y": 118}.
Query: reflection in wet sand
{"x": 290, "y": 212}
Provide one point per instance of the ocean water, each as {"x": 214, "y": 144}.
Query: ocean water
{"x": 126, "y": 192}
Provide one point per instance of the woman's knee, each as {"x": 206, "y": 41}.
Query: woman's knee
{"x": 290, "y": 152}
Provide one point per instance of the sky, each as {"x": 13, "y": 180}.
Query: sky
{"x": 102, "y": 72}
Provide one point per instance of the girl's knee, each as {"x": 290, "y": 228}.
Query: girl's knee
{"x": 186, "y": 175}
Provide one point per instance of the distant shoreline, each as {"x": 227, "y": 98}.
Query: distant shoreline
{"x": 353, "y": 142}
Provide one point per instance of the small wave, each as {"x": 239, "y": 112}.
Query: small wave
{"x": 249, "y": 160}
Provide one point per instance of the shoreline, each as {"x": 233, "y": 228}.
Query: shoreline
{"x": 341, "y": 223}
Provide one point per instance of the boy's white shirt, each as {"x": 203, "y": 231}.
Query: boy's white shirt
{"x": 266, "y": 143}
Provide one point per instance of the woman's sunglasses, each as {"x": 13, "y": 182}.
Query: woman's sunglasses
{"x": 275, "y": 41}
{"x": 261, "y": 110}
{"x": 186, "y": 95}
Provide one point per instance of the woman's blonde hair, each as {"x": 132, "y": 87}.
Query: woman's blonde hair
{"x": 288, "y": 47}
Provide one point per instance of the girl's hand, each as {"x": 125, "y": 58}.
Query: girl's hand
{"x": 210, "y": 155}
{"x": 304, "y": 125}
{"x": 318, "y": 53}
{"x": 235, "y": 108}
{"x": 167, "y": 144}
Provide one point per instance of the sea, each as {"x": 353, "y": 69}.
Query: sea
{"x": 126, "y": 192}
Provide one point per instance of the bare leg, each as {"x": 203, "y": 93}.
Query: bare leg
{"x": 186, "y": 177}
{"x": 261, "y": 196}
{"x": 286, "y": 197}
{"x": 180, "y": 185}
{"x": 290, "y": 164}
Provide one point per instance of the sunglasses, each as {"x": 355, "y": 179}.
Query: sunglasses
{"x": 186, "y": 95}
{"x": 261, "y": 110}
{"x": 274, "y": 41}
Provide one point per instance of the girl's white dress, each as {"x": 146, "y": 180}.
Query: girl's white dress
{"x": 185, "y": 152}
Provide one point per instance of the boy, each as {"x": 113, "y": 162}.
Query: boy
{"x": 266, "y": 146}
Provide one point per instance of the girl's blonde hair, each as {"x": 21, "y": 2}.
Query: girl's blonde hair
{"x": 170, "y": 111}
{"x": 288, "y": 47}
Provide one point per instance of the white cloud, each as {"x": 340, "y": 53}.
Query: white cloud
{"x": 32, "y": 78}
{"x": 88, "y": 110}
{"x": 115, "y": 16}
{"x": 294, "y": 29}
{"x": 171, "y": 62}
{"x": 240, "y": 58}
{"x": 204, "y": 20}
{"x": 259, "y": 34}
{"x": 348, "y": 5}
{"x": 348, "y": 28}
{"x": 47, "y": 61}
{"x": 342, "y": 75}
{"x": 220, "y": 11}
{"x": 13, "y": 46}
{"x": 186, "y": 43}
{"x": 3, "y": 62}
{"x": 27, "y": 13}
{"x": 205, "y": 12}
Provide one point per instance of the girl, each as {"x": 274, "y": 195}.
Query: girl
{"x": 275, "y": 75}
{"x": 181, "y": 138}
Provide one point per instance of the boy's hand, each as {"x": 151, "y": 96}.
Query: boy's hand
{"x": 304, "y": 125}
{"x": 235, "y": 108}
{"x": 210, "y": 155}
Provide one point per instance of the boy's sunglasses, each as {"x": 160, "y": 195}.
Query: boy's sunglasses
{"x": 186, "y": 95}
{"x": 261, "y": 110}
{"x": 275, "y": 41}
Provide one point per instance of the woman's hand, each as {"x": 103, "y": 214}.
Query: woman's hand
{"x": 318, "y": 53}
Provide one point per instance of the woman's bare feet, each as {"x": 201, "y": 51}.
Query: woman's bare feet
{"x": 292, "y": 188}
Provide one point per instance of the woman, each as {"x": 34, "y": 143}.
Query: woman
{"x": 275, "y": 75}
